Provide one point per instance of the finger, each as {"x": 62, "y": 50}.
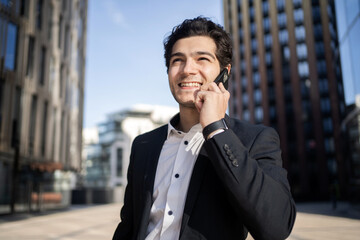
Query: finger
{"x": 222, "y": 88}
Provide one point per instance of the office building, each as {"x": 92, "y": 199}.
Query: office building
{"x": 42, "y": 60}
{"x": 285, "y": 75}
{"x": 107, "y": 149}
{"x": 348, "y": 22}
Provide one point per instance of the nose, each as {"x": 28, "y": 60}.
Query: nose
{"x": 190, "y": 67}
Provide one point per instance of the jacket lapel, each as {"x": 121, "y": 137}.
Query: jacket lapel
{"x": 153, "y": 150}
{"x": 194, "y": 186}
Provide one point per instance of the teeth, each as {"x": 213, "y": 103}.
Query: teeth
{"x": 190, "y": 84}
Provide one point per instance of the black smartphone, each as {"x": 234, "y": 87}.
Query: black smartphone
{"x": 223, "y": 77}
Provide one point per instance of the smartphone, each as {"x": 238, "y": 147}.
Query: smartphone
{"x": 223, "y": 77}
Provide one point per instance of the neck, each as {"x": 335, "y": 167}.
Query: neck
{"x": 188, "y": 118}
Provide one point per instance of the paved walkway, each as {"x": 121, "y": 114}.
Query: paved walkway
{"x": 314, "y": 221}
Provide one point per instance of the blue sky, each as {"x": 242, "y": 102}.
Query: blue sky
{"x": 124, "y": 63}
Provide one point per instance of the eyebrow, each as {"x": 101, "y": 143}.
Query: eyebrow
{"x": 180, "y": 54}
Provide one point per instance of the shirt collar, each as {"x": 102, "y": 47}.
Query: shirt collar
{"x": 174, "y": 121}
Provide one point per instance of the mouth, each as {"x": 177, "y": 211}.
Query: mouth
{"x": 189, "y": 85}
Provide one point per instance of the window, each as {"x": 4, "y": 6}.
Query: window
{"x": 42, "y": 66}
{"x": 119, "y": 165}
{"x": 50, "y": 22}
{"x": 303, "y": 68}
{"x": 256, "y": 79}
{"x": 280, "y": 4}
{"x": 268, "y": 40}
{"x": 259, "y": 115}
{"x": 30, "y": 58}
{"x": 44, "y": 130}
{"x": 257, "y": 96}
{"x": 283, "y": 36}
{"x": 301, "y": 51}
{"x": 32, "y": 124}
{"x": 268, "y": 59}
{"x": 60, "y": 31}
{"x": 300, "y": 33}
{"x": 286, "y": 52}
{"x": 325, "y": 105}
{"x": 39, "y": 14}
{"x": 246, "y": 115}
{"x": 16, "y": 118}
{"x": 282, "y": 20}
{"x": 299, "y": 16}
{"x": 11, "y": 43}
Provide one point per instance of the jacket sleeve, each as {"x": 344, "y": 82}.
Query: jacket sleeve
{"x": 256, "y": 183}
{"x": 124, "y": 229}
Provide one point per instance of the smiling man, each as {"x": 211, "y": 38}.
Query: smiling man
{"x": 205, "y": 175}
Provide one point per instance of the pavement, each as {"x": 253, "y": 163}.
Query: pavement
{"x": 314, "y": 221}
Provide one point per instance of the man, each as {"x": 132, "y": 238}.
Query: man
{"x": 204, "y": 175}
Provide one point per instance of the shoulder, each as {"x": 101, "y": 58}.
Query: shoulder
{"x": 151, "y": 135}
{"x": 248, "y": 132}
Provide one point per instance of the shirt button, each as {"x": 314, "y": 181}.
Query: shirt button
{"x": 186, "y": 142}
{"x": 170, "y": 212}
{"x": 177, "y": 175}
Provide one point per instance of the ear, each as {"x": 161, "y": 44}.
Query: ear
{"x": 228, "y": 67}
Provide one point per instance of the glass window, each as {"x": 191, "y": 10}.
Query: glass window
{"x": 253, "y": 28}
{"x": 39, "y": 14}
{"x": 286, "y": 52}
{"x": 283, "y": 36}
{"x": 297, "y": 3}
{"x": 44, "y": 130}
{"x": 257, "y": 96}
{"x": 244, "y": 81}
{"x": 255, "y": 61}
{"x": 280, "y": 4}
{"x": 323, "y": 85}
{"x": 300, "y": 33}
{"x": 301, "y": 51}
{"x": 303, "y": 68}
{"x": 282, "y": 19}
{"x": 267, "y": 24}
{"x": 246, "y": 115}
{"x": 42, "y": 66}
{"x": 299, "y": 16}
{"x": 119, "y": 162}
{"x": 321, "y": 67}
{"x": 259, "y": 114}
{"x": 256, "y": 79}
{"x": 268, "y": 40}
{"x": 11, "y": 43}
{"x": 50, "y": 21}
{"x": 32, "y": 124}
{"x": 245, "y": 99}
{"x": 60, "y": 31}
{"x": 30, "y": 58}
{"x": 325, "y": 105}
{"x": 265, "y": 7}
{"x": 268, "y": 59}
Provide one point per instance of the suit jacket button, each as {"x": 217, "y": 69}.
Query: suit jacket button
{"x": 228, "y": 152}
{"x": 235, "y": 163}
{"x": 226, "y": 147}
{"x": 232, "y": 157}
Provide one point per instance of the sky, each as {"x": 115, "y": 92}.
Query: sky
{"x": 124, "y": 60}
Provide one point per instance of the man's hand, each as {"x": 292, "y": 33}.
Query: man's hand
{"x": 211, "y": 102}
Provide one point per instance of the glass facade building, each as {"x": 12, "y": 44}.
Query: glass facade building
{"x": 41, "y": 101}
{"x": 285, "y": 75}
{"x": 348, "y": 22}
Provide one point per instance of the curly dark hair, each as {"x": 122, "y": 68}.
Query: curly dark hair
{"x": 201, "y": 26}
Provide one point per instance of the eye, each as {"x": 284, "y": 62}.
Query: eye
{"x": 204, "y": 59}
{"x": 175, "y": 60}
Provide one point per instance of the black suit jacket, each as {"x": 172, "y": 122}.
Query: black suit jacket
{"x": 237, "y": 185}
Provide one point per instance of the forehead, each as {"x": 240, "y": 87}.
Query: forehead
{"x": 194, "y": 44}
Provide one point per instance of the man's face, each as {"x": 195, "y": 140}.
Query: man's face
{"x": 193, "y": 63}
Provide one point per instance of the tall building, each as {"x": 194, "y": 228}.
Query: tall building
{"x": 285, "y": 75}
{"x": 348, "y": 22}
{"x": 42, "y": 60}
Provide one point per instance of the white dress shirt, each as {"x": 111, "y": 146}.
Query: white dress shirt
{"x": 175, "y": 166}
